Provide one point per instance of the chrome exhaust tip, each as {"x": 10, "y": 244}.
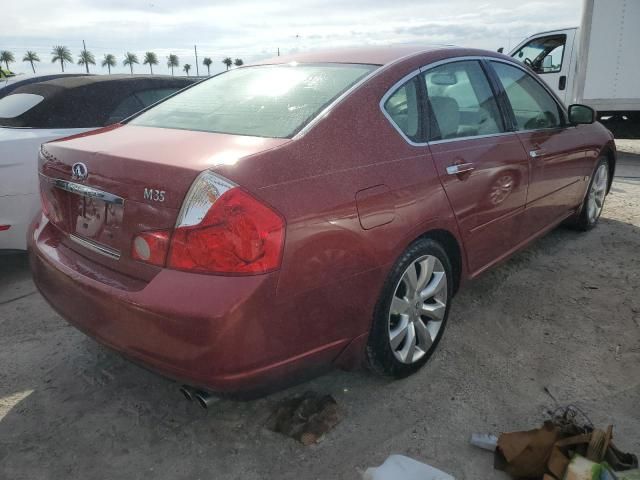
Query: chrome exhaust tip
{"x": 204, "y": 399}
{"x": 188, "y": 392}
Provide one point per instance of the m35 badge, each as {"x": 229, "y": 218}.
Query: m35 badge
{"x": 154, "y": 195}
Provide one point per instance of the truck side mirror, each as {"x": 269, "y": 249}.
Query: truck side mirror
{"x": 501, "y": 50}
{"x": 581, "y": 114}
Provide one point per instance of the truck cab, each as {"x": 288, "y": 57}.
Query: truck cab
{"x": 552, "y": 55}
{"x": 596, "y": 64}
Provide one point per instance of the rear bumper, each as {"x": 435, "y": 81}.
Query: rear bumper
{"x": 225, "y": 334}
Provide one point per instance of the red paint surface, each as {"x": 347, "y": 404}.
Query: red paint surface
{"x": 230, "y": 333}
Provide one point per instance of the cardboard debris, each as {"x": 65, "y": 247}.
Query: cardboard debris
{"x": 562, "y": 446}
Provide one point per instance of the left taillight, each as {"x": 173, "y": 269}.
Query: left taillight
{"x": 221, "y": 228}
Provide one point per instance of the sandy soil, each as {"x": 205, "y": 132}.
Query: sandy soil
{"x": 563, "y": 314}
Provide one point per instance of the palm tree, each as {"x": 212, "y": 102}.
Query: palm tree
{"x": 228, "y": 62}
{"x": 31, "y": 57}
{"x": 130, "y": 59}
{"x": 207, "y": 63}
{"x": 6, "y": 56}
{"x": 86, "y": 58}
{"x": 238, "y": 62}
{"x": 150, "y": 59}
{"x": 109, "y": 61}
{"x": 61, "y": 54}
{"x": 172, "y": 62}
{"x": 186, "y": 68}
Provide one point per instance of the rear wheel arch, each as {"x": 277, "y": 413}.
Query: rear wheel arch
{"x": 610, "y": 155}
{"x": 451, "y": 247}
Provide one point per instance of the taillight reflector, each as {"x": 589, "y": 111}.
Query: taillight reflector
{"x": 151, "y": 247}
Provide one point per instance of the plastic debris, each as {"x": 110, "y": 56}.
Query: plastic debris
{"x": 582, "y": 469}
{"x": 485, "y": 441}
{"x": 399, "y": 467}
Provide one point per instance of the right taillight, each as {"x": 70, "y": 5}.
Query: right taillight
{"x": 223, "y": 229}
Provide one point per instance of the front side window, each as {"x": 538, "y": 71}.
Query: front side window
{"x": 532, "y": 105}
{"x": 402, "y": 108}
{"x": 543, "y": 55}
{"x": 461, "y": 102}
{"x": 265, "y": 101}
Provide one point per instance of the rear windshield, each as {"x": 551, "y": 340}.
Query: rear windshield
{"x": 15, "y": 105}
{"x": 265, "y": 101}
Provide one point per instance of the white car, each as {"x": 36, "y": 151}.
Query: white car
{"x": 41, "y": 112}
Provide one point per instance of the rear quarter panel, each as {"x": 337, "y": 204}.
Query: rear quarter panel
{"x": 331, "y": 264}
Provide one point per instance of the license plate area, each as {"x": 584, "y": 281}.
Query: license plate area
{"x": 91, "y": 217}
{"x": 96, "y": 220}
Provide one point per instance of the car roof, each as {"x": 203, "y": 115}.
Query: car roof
{"x": 372, "y": 55}
{"x": 85, "y": 102}
{"x": 9, "y": 84}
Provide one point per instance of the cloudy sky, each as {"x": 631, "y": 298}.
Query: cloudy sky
{"x": 253, "y": 29}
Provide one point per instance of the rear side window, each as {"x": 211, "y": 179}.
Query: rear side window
{"x": 125, "y": 108}
{"x": 149, "y": 97}
{"x": 461, "y": 102}
{"x": 13, "y": 106}
{"x": 533, "y": 107}
{"x": 266, "y": 101}
{"x": 136, "y": 102}
{"x": 402, "y": 108}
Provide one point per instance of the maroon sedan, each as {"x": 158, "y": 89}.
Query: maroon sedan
{"x": 309, "y": 211}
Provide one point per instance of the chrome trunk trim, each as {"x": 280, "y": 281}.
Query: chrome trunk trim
{"x": 95, "y": 247}
{"x": 84, "y": 190}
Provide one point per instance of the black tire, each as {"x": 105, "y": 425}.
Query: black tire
{"x": 582, "y": 221}
{"x": 381, "y": 358}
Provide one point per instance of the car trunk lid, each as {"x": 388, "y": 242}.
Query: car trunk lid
{"x": 136, "y": 180}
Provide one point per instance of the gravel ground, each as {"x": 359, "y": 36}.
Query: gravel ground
{"x": 562, "y": 314}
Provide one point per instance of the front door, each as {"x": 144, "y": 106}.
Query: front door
{"x": 482, "y": 167}
{"x": 557, "y": 159}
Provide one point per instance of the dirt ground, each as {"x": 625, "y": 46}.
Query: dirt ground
{"x": 562, "y": 314}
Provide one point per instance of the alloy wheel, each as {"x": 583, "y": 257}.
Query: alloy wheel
{"x": 597, "y": 193}
{"x": 417, "y": 309}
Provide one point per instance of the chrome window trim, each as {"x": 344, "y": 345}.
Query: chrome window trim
{"x": 396, "y": 86}
{"x": 472, "y": 137}
{"x": 96, "y": 247}
{"x": 84, "y": 190}
{"x": 480, "y": 58}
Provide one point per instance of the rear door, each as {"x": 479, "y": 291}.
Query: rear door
{"x": 481, "y": 164}
{"x": 558, "y": 162}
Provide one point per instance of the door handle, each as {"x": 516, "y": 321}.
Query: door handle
{"x": 459, "y": 168}
{"x": 537, "y": 153}
{"x": 562, "y": 82}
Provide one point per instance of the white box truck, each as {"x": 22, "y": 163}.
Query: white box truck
{"x": 597, "y": 63}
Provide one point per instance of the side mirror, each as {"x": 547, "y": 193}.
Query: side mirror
{"x": 501, "y": 50}
{"x": 581, "y": 114}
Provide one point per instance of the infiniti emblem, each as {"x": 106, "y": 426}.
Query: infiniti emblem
{"x": 79, "y": 171}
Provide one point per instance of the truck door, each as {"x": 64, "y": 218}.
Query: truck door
{"x": 550, "y": 56}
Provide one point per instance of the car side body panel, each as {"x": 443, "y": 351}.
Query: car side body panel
{"x": 354, "y": 193}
